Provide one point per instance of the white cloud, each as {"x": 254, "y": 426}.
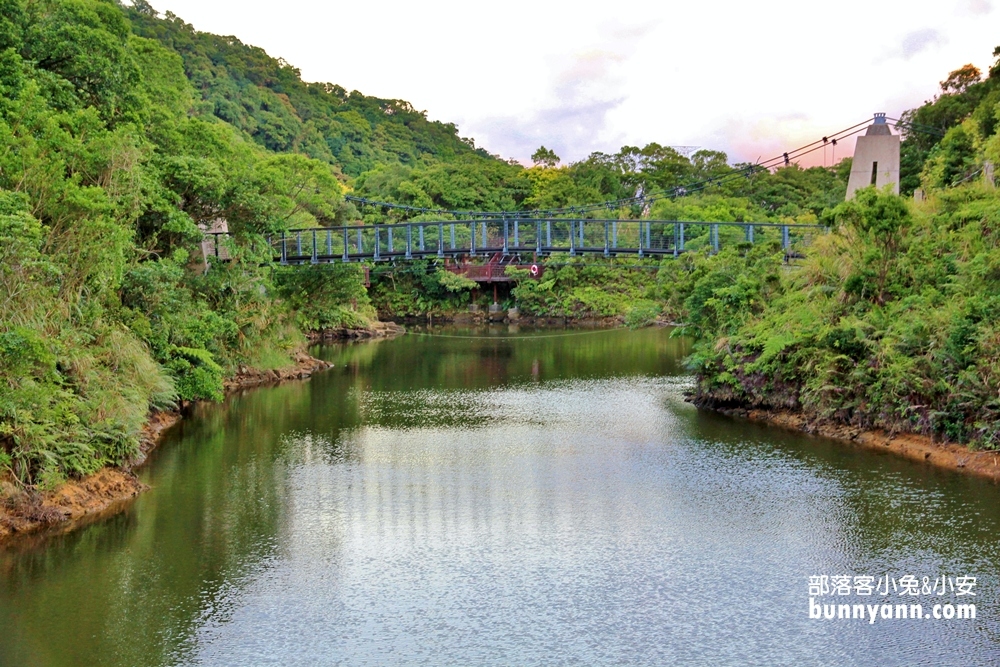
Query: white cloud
{"x": 747, "y": 78}
{"x": 576, "y": 120}
{"x": 919, "y": 41}
{"x": 976, "y": 7}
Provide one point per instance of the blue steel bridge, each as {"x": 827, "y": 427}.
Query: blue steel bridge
{"x": 515, "y": 241}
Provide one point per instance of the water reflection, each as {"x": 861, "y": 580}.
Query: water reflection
{"x": 527, "y": 499}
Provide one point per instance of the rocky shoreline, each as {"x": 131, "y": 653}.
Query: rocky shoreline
{"x": 913, "y": 446}
{"x": 24, "y": 512}
{"x": 376, "y": 330}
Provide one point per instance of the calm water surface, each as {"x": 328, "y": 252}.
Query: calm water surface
{"x": 514, "y": 499}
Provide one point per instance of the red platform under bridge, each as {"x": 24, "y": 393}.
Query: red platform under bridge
{"x": 495, "y": 270}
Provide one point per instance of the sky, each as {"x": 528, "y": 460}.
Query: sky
{"x": 752, "y": 79}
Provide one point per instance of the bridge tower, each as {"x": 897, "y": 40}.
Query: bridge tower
{"x": 876, "y": 158}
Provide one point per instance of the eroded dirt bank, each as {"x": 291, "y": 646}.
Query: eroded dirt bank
{"x": 26, "y": 511}
{"x": 909, "y": 445}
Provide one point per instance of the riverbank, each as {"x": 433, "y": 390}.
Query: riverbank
{"x": 27, "y": 511}
{"x": 913, "y": 446}
{"x": 375, "y": 330}
{"x": 482, "y": 318}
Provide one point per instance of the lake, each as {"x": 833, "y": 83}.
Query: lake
{"x": 506, "y": 496}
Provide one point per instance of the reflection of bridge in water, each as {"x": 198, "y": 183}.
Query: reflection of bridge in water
{"x": 517, "y": 241}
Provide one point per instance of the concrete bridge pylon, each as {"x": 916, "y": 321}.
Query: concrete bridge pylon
{"x": 876, "y": 158}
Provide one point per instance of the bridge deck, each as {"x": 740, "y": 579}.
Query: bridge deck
{"x": 539, "y": 238}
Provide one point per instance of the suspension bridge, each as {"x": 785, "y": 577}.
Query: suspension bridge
{"x": 484, "y": 245}
{"x": 518, "y": 242}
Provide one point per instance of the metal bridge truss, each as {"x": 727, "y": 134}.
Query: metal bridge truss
{"x": 536, "y": 237}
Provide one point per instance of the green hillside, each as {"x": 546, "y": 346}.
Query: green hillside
{"x": 124, "y": 134}
{"x": 266, "y": 98}
{"x": 893, "y": 321}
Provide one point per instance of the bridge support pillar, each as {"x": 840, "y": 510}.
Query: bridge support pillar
{"x": 314, "y": 259}
{"x": 607, "y": 238}
{"x": 440, "y": 239}
{"x": 284, "y": 249}
{"x": 572, "y": 243}
{"x": 749, "y": 233}
{"x": 409, "y": 242}
{"x": 347, "y": 247}
{"x": 377, "y": 243}
{"x": 506, "y": 231}
{"x": 714, "y": 231}
{"x": 785, "y": 241}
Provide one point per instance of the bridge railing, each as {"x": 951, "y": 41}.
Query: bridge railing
{"x": 539, "y": 237}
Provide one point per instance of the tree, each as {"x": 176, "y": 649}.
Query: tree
{"x": 84, "y": 45}
{"x": 959, "y": 80}
{"x": 880, "y": 218}
{"x": 545, "y": 157}
{"x": 710, "y": 164}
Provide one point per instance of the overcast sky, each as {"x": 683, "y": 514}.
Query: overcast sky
{"x": 751, "y": 78}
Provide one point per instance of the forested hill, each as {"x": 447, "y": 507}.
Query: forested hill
{"x": 124, "y": 134}
{"x": 266, "y": 98}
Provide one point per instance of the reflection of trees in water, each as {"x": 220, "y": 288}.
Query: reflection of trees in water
{"x": 425, "y": 361}
{"x": 876, "y": 503}
{"x": 136, "y": 589}
{"x": 139, "y": 587}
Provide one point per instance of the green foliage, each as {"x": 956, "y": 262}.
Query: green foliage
{"x": 878, "y": 220}
{"x": 108, "y": 166}
{"x": 418, "y": 288}
{"x": 198, "y": 376}
{"x": 545, "y": 157}
{"x": 325, "y": 296}
{"x": 123, "y": 135}
{"x": 454, "y": 282}
{"x": 583, "y": 288}
{"x": 942, "y": 137}
{"x": 890, "y": 322}
{"x": 642, "y": 314}
{"x": 265, "y": 98}
{"x": 953, "y": 159}
{"x": 81, "y": 53}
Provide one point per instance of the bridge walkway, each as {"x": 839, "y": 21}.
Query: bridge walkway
{"x": 463, "y": 239}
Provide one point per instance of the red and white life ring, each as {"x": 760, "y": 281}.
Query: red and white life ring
{"x": 534, "y": 270}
